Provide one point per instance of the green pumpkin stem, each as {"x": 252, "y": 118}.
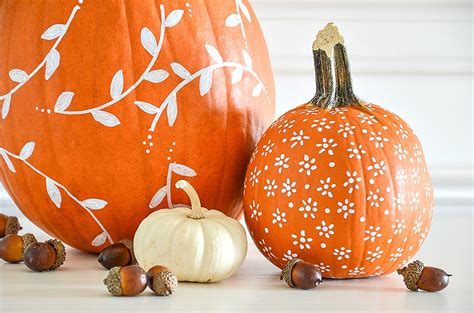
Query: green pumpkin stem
{"x": 333, "y": 86}
{"x": 196, "y": 209}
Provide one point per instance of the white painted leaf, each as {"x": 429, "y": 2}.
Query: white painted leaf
{"x": 183, "y": 170}
{"x": 53, "y": 31}
{"x": 157, "y": 76}
{"x": 147, "y": 107}
{"x": 232, "y": 20}
{"x": 53, "y": 192}
{"x": 99, "y": 240}
{"x": 105, "y": 118}
{"x": 215, "y": 55}
{"x": 205, "y": 82}
{"x": 180, "y": 71}
{"x": 158, "y": 197}
{"x": 149, "y": 41}
{"x": 27, "y": 150}
{"x": 257, "y": 90}
{"x": 8, "y": 162}
{"x": 52, "y": 63}
{"x": 116, "y": 86}
{"x": 94, "y": 204}
{"x": 6, "y": 106}
{"x": 244, "y": 10}
{"x": 247, "y": 58}
{"x": 173, "y": 18}
{"x": 237, "y": 75}
{"x": 172, "y": 110}
{"x": 63, "y": 102}
{"x": 17, "y": 75}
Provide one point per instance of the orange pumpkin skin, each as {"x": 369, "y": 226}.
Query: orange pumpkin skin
{"x": 84, "y": 153}
{"x": 381, "y": 212}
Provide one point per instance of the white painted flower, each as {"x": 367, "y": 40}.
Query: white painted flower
{"x": 323, "y": 267}
{"x": 301, "y": 240}
{"x": 357, "y": 271}
{"x": 342, "y": 253}
{"x": 400, "y": 152}
{"x": 267, "y": 249}
{"x": 279, "y": 218}
{"x": 374, "y": 255}
{"x": 399, "y": 226}
{"x": 398, "y": 200}
{"x": 308, "y": 164}
{"x": 414, "y": 201}
{"x": 401, "y": 177}
{"x": 341, "y": 111}
{"x": 377, "y": 168}
{"x": 285, "y": 126}
{"x": 325, "y": 230}
{"x": 326, "y": 187}
{"x": 375, "y": 198}
{"x": 418, "y": 153}
{"x": 415, "y": 176}
{"x": 327, "y": 145}
{"x": 356, "y": 151}
{"x": 270, "y": 188}
{"x": 268, "y": 148}
{"x": 346, "y": 208}
{"x": 298, "y": 138}
{"x": 402, "y": 132}
{"x": 309, "y": 208}
{"x": 352, "y": 181}
{"x": 428, "y": 189}
{"x": 254, "y": 176}
{"x": 289, "y": 187}
{"x": 255, "y": 212}
{"x": 346, "y": 129}
{"x": 368, "y": 119}
{"x": 372, "y": 233}
{"x": 378, "y": 139}
{"x": 281, "y": 162}
{"x": 289, "y": 255}
{"x": 396, "y": 255}
{"x": 322, "y": 124}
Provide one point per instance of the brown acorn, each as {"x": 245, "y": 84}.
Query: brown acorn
{"x": 8, "y": 225}
{"x": 417, "y": 276}
{"x": 118, "y": 254}
{"x": 13, "y": 246}
{"x": 161, "y": 281}
{"x": 300, "y": 274}
{"x": 126, "y": 281}
{"x": 44, "y": 256}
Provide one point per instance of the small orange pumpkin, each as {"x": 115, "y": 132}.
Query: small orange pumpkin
{"x": 338, "y": 182}
{"x": 105, "y": 104}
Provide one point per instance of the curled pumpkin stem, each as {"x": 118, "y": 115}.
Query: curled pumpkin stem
{"x": 196, "y": 209}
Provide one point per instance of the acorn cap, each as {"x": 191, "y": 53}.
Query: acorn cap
{"x": 12, "y": 225}
{"x": 60, "y": 253}
{"x": 112, "y": 281}
{"x": 165, "y": 283}
{"x": 28, "y": 239}
{"x": 286, "y": 272}
{"x": 129, "y": 245}
{"x": 411, "y": 274}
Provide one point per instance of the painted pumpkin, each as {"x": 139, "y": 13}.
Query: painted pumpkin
{"x": 105, "y": 104}
{"x": 338, "y": 182}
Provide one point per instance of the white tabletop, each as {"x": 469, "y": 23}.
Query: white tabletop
{"x": 77, "y": 286}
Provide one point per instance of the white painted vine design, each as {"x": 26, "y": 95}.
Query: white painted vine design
{"x": 235, "y": 19}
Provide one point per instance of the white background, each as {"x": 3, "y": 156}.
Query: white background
{"x": 413, "y": 57}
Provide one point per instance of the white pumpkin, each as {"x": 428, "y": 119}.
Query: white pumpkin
{"x": 197, "y": 245}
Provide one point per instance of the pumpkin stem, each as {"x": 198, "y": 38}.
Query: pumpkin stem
{"x": 196, "y": 212}
{"x": 332, "y": 65}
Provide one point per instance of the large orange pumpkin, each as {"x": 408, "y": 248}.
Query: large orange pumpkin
{"x": 338, "y": 182}
{"x": 104, "y": 104}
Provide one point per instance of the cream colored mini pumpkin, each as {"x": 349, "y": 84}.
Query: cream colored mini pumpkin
{"x": 198, "y": 245}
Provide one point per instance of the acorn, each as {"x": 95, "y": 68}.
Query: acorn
{"x": 13, "y": 246}
{"x": 300, "y": 274}
{"x": 417, "y": 276}
{"x": 9, "y": 225}
{"x": 118, "y": 254}
{"x": 161, "y": 281}
{"x": 126, "y": 281}
{"x": 44, "y": 256}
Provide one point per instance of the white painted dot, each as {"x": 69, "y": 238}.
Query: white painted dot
{"x": 332, "y": 164}
{"x": 81, "y": 1}
{"x": 405, "y": 239}
{"x": 48, "y": 111}
{"x": 149, "y": 136}
{"x": 290, "y": 204}
{"x": 266, "y": 230}
{"x": 284, "y": 140}
{"x": 344, "y": 266}
{"x": 144, "y": 142}
{"x": 151, "y": 144}
{"x": 390, "y": 240}
{"x": 42, "y": 110}
{"x": 265, "y": 167}
{"x": 386, "y": 212}
{"x": 187, "y": 4}
{"x": 388, "y": 189}
{"x": 168, "y": 158}
{"x": 306, "y": 186}
{"x": 327, "y": 210}
{"x": 190, "y": 15}
{"x": 305, "y": 120}
{"x": 174, "y": 143}
{"x": 362, "y": 219}
{"x": 37, "y": 108}
{"x": 147, "y": 151}
{"x": 371, "y": 181}
{"x": 411, "y": 248}
{"x": 170, "y": 150}
{"x": 378, "y": 267}
{"x": 323, "y": 245}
